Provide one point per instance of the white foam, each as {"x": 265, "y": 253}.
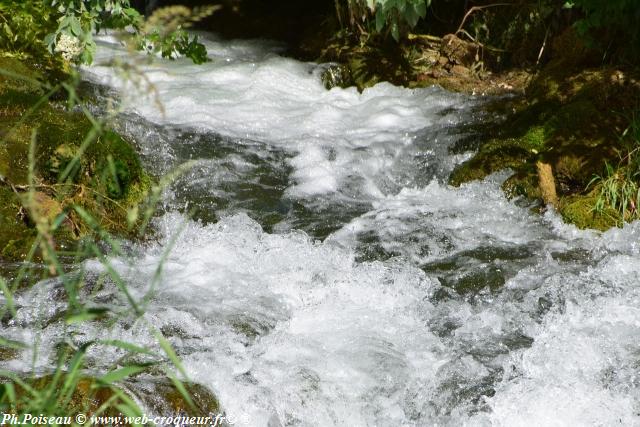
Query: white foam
{"x": 247, "y": 91}
{"x": 340, "y": 338}
{"x": 347, "y": 343}
{"x": 286, "y": 330}
{"x": 425, "y": 224}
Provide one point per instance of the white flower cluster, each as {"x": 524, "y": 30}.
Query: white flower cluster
{"x": 69, "y": 47}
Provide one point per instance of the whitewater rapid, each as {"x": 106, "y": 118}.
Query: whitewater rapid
{"x": 331, "y": 277}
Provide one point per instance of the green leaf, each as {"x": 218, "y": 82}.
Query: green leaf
{"x": 50, "y": 40}
{"x": 130, "y": 411}
{"x": 10, "y": 392}
{"x": 90, "y": 314}
{"x": 64, "y": 23}
{"x": 8, "y": 296}
{"x": 76, "y": 28}
{"x": 380, "y": 20}
{"x": 16, "y": 345}
{"x": 7, "y": 29}
{"x": 411, "y": 16}
{"x": 120, "y": 374}
{"x": 166, "y": 346}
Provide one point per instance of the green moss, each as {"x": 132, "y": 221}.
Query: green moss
{"x": 518, "y": 153}
{"x": 495, "y": 155}
{"x": 160, "y": 396}
{"x": 570, "y": 120}
{"x": 543, "y": 89}
{"x": 163, "y": 398}
{"x": 577, "y": 119}
{"x": 16, "y": 237}
{"x": 522, "y": 184}
{"x": 117, "y": 165}
{"x": 579, "y": 210}
{"x": 107, "y": 179}
{"x": 534, "y": 139}
{"x": 17, "y": 77}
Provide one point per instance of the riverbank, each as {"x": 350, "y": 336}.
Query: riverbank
{"x": 566, "y": 100}
{"x": 81, "y": 179}
{"x": 569, "y": 124}
{"x": 563, "y": 121}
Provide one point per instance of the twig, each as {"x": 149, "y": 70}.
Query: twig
{"x": 544, "y": 43}
{"x": 482, "y": 45}
{"x": 22, "y": 188}
{"x": 476, "y": 8}
{"x": 428, "y": 37}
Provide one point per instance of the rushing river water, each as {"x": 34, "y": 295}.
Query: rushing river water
{"x": 330, "y": 276}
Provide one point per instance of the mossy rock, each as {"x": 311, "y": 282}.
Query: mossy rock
{"x": 362, "y": 74}
{"x": 459, "y": 51}
{"x": 518, "y": 153}
{"x": 18, "y": 77}
{"x": 117, "y": 165}
{"x": 365, "y": 65}
{"x": 494, "y": 156}
{"x": 16, "y": 238}
{"x": 337, "y": 75}
{"x": 474, "y": 282}
{"x": 159, "y": 396}
{"x": 522, "y": 184}
{"x": 571, "y": 119}
{"x": 86, "y": 397}
{"x": 109, "y": 164}
{"x": 570, "y": 49}
{"x": 163, "y": 398}
{"x": 579, "y": 210}
{"x": 74, "y": 166}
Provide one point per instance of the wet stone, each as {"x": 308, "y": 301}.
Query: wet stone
{"x": 337, "y": 75}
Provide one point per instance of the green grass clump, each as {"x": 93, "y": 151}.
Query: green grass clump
{"x": 618, "y": 189}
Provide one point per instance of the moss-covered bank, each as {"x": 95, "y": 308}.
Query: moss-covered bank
{"x": 571, "y": 118}
{"x": 566, "y": 118}
{"x": 105, "y": 179}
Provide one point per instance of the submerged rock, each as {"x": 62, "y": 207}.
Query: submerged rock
{"x": 161, "y": 397}
{"x": 337, "y": 75}
{"x": 459, "y": 52}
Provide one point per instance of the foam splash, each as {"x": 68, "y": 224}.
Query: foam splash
{"x": 247, "y": 91}
{"x": 298, "y": 332}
